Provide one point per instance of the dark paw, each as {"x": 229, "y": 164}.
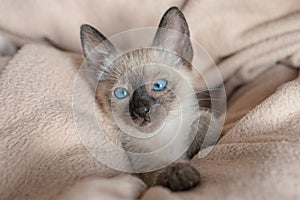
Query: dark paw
{"x": 179, "y": 177}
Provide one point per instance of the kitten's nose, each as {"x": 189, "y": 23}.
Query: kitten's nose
{"x": 140, "y": 103}
{"x": 142, "y": 111}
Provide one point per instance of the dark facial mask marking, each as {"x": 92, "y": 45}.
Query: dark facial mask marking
{"x": 140, "y": 104}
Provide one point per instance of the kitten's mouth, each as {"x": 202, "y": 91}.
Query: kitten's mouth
{"x": 141, "y": 121}
{"x": 145, "y": 121}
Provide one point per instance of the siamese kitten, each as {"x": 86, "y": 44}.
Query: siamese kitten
{"x": 145, "y": 92}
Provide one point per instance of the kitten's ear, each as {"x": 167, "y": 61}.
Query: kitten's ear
{"x": 97, "y": 49}
{"x": 176, "y": 40}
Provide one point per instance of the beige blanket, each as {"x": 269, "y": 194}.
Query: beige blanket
{"x": 243, "y": 37}
{"x": 258, "y": 158}
{"x": 40, "y": 147}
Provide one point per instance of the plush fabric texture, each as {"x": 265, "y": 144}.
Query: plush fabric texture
{"x": 3, "y": 62}
{"x": 41, "y": 153}
{"x": 256, "y": 45}
{"x": 58, "y": 22}
{"x": 244, "y": 38}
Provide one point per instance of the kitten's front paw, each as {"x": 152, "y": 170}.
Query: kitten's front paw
{"x": 179, "y": 177}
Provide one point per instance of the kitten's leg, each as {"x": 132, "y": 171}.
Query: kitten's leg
{"x": 181, "y": 175}
{"x": 205, "y": 137}
{"x": 178, "y": 176}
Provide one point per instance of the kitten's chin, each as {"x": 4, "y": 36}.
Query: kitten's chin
{"x": 148, "y": 126}
{"x": 141, "y": 127}
{"x": 153, "y": 123}
{"x": 144, "y": 123}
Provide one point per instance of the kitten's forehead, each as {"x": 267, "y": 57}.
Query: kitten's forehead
{"x": 142, "y": 66}
{"x": 147, "y": 75}
{"x": 145, "y": 56}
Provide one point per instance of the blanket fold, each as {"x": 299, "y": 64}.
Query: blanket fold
{"x": 243, "y": 38}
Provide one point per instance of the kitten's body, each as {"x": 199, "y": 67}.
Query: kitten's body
{"x": 134, "y": 60}
{"x": 156, "y": 128}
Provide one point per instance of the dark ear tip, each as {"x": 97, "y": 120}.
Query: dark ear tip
{"x": 174, "y": 12}
{"x": 173, "y": 9}
{"x": 85, "y": 27}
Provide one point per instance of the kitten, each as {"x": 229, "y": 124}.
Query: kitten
{"x": 147, "y": 94}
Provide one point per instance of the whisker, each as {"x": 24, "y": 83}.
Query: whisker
{"x": 209, "y": 90}
{"x": 217, "y": 111}
{"x": 202, "y": 92}
{"x": 210, "y": 110}
{"x": 211, "y": 99}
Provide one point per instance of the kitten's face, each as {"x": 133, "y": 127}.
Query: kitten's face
{"x": 143, "y": 93}
{"x": 140, "y": 90}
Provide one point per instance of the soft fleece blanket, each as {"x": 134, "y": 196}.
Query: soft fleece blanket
{"x": 253, "y": 42}
{"x": 257, "y": 158}
{"x": 243, "y": 37}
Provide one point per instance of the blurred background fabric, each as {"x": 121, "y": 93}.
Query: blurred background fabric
{"x": 243, "y": 37}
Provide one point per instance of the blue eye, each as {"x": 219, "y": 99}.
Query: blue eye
{"x": 160, "y": 85}
{"x": 121, "y": 93}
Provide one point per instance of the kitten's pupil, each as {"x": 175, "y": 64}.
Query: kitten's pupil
{"x": 157, "y": 85}
{"x": 160, "y": 85}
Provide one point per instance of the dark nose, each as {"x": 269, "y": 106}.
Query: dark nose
{"x": 142, "y": 110}
{"x": 140, "y": 104}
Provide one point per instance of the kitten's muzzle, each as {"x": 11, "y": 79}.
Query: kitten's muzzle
{"x": 140, "y": 105}
{"x": 141, "y": 109}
